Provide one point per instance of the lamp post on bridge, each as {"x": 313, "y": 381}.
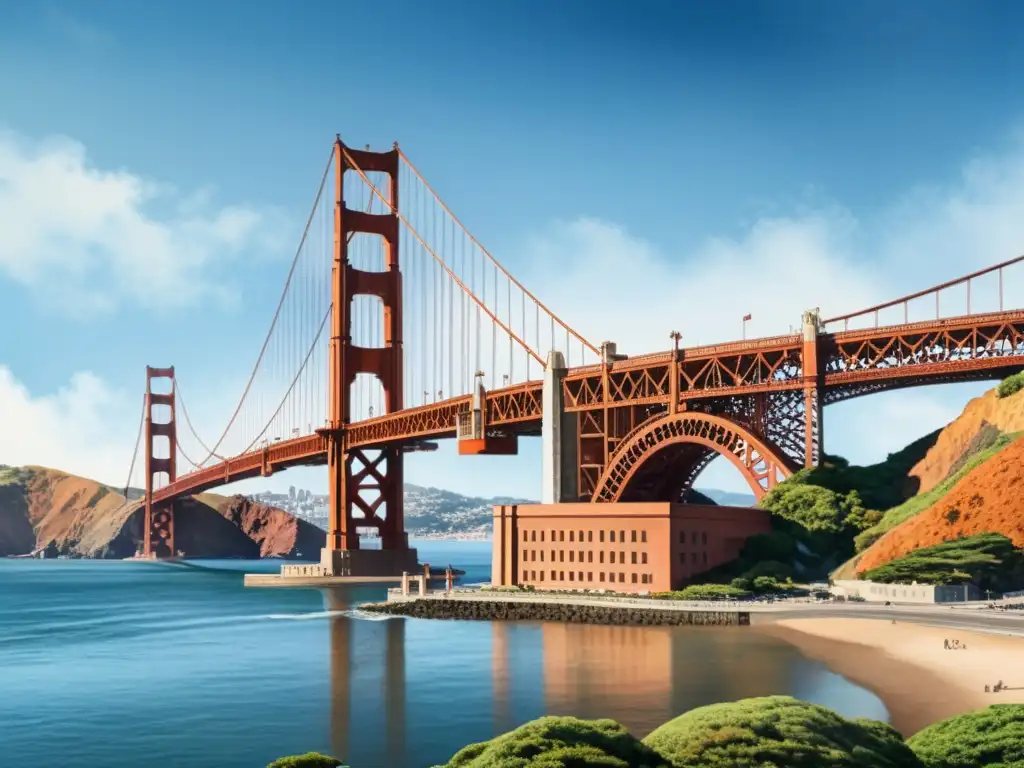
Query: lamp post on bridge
{"x": 746, "y": 319}
{"x": 673, "y": 386}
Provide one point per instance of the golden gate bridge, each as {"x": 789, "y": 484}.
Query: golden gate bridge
{"x": 396, "y": 327}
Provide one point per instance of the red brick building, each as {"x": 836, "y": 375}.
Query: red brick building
{"x": 624, "y": 547}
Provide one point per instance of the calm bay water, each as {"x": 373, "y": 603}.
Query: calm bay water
{"x": 121, "y": 664}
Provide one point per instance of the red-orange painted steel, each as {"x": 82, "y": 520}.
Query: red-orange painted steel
{"x": 717, "y": 379}
{"x": 158, "y": 515}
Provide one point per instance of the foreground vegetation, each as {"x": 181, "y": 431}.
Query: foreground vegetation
{"x": 767, "y": 732}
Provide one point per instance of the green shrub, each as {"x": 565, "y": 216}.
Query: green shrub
{"x": 987, "y": 559}
{"x": 308, "y": 760}
{"x": 742, "y": 584}
{"x": 703, "y": 592}
{"x": 1011, "y": 385}
{"x": 771, "y": 568}
{"x": 993, "y": 736}
{"x": 778, "y": 731}
{"x": 560, "y": 742}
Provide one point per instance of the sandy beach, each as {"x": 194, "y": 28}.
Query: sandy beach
{"x": 907, "y": 666}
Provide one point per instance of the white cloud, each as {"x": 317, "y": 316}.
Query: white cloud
{"x": 87, "y": 239}
{"x": 83, "y": 428}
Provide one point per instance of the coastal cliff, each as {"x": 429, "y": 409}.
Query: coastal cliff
{"x": 48, "y": 511}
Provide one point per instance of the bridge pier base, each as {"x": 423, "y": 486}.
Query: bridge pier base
{"x": 368, "y": 562}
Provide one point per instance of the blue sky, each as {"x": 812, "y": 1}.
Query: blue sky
{"x": 157, "y": 161}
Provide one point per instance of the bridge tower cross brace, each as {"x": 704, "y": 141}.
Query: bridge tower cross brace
{"x": 351, "y": 472}
{"x": 158, "y": 521}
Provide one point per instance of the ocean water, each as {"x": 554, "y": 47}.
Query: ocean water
{"x": 122, "y": 664}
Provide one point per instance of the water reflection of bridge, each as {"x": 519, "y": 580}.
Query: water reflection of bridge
{"x": 640, "y": 676}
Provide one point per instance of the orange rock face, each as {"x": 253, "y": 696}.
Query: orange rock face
{"x": 988, "y": 499}
{"x": 1005, "y": 414}
{"x": 278, "y": 533}
{"x": 43, "y": 508}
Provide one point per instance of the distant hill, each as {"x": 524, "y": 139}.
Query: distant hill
{"x": 435, "y": 512}
{"x": 46, "y": 510}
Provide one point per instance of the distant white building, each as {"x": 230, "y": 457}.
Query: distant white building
{"x": 874, "y": 592}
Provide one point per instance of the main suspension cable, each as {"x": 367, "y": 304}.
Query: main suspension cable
{"x": 135, "y": 453}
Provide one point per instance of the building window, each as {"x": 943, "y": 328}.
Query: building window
{"x": 705, "y": 556}
{"x": 693, "y": 558}
{"x": 561, "y": 555}
{"x": 561, "y": 575}
{"x": 622, "y": 537}
{"x": 682, "y": 537}
{"x": 572, "y": 553}
{"x": 572, "y": 535}
{"x": 601, "y": 535}
{"x": 643, "y": 558}
{"x": 600, "y": 556}
{"x": 622, "y": 578}
{"x": 643, "y": 578}
{"x": 542, "y": 537}
{"x": 561, "y": 535}
{"x": 581, "y": 556}
{"x": 600, "y": 576}
{"x": 590, "y": 575}
{"x": 542, "y": 575}
{"x": 693, "y": 538}
{"x": 632, "y": 536}
{"x": 643, "y": 536}
{"x": 581, "y": 539}
{"x": 581, "y": 575}
{"x": 682, "y": 558}
{"x": 525, "y": 579}
{"x": 634, "y": 578}
{"x": 542, "y": 556}
{"x": 590, "y": 536}
{"x": 526, "y": 535}
{"x": 572, "y": 576}
{"x": 590, "y": 555}
{"x": 622, "y": 558}
{"x": 633, "y": 557}
{"x": 704, "y": 537}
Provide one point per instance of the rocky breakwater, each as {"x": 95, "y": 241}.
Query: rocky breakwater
{"x": 556, "y": 610}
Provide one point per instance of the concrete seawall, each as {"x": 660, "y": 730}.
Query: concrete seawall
{"x": 537, "y": 610}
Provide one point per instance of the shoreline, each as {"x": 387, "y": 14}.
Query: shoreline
{"x": 907, "y": 667}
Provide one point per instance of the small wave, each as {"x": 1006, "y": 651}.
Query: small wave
{"x": 350, "y": 614}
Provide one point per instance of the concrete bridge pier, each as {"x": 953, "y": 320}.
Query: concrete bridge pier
{"x": 560, "y": 463}
{"x": 814, "y": 391}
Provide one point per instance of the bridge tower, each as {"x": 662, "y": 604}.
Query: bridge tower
{"x": 371, "y": 479}
{"x": 158, "y": 523}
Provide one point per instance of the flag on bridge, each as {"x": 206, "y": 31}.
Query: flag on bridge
{"x": 746, "y": 317}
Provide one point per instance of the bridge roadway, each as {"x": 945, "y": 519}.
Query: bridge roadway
{"x": 968, "y": 617}
{"x": 858, "y": 362}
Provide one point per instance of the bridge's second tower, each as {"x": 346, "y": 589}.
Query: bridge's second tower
{"x": 365, "y": 481}
{"x": 158, "y": 523}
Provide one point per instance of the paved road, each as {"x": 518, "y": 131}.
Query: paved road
{"x": 978, "y": 620}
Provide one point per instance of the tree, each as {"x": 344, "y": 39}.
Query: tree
{"x": 778, "y": 731}
{"x": 560, "y": 742}
{"x": 813, "y": 507}
{"x": 992, "y": 736}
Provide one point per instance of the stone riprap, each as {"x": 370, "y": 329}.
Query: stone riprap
{"x": 537, "y": 610}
